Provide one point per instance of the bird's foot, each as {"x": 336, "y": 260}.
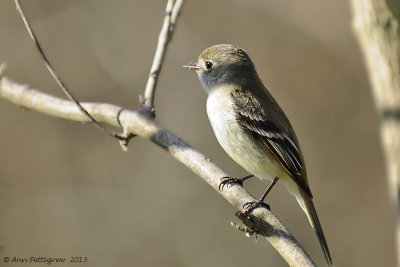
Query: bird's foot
{"x": 250, "y": 206}
{"x": 229, "y": 181}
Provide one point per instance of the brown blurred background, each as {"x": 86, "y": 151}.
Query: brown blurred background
{"x": 68, "y": 190}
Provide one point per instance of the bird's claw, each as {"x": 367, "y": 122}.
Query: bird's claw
{"x": 252, "y": 205}
{"x": 229, "y": 181}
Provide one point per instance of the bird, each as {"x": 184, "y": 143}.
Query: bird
{"x": 253, "y": 129}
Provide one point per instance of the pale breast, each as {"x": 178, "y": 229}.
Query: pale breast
{"x": 234, "y": 140}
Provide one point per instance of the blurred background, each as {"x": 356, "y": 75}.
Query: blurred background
{"x": 68, "y": 190}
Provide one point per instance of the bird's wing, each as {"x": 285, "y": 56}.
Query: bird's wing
{"x": 273, "y": 138}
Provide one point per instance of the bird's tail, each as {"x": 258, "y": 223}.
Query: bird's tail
{"x": 307, "y": 205}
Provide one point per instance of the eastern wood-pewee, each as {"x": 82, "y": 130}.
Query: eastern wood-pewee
{"x": 252, "y": 128}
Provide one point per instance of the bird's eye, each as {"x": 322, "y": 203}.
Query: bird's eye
{"x": 208, "y": 64}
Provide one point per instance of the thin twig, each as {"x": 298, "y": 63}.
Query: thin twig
{"x": 176, "y": 11}
{"x": 261, "y": 220}
{"x": 3, "y": 68}
{"x": 172, "y": 12}
{"x": 59, "y": 81}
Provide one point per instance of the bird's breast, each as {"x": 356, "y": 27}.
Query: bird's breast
{"x": 239, "y": 145}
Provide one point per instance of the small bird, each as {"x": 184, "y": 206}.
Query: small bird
{"x": 253, "y": 129}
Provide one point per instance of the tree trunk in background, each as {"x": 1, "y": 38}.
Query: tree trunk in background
{"x": 376, "y": 23}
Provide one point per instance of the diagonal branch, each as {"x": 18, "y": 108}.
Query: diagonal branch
{"x": 58, "y": 79}
{"x": 171, "y": 16}
{"x": 262, "y": 221}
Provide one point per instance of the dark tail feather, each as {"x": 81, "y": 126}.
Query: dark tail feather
{"x": 307, "y": 204}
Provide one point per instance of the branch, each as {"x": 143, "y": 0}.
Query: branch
{"x": 262, "y": 221}
{"x": 171, "y": 16}
{"x": 67, "y": 92}
{"x": 377, "y": 25}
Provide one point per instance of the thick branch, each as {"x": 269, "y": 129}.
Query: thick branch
{"x": 377, "y": 25}
{"x": 263, "y": 221}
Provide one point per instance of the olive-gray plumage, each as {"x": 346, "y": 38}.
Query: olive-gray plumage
{"x": 251, "y": 127}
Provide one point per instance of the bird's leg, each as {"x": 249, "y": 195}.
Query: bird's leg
{"x": 255, "y": 204}
{"x": 229, "y": 181}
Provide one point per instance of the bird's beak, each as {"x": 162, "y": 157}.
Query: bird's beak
{"x": 191, "y": 66}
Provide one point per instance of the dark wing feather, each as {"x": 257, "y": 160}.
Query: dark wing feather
{"x": 277, "y": 141}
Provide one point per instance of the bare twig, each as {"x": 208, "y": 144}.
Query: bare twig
{"x": 176, "y": 11}
{"x": 3, "y": 68}
{"x": 60, "y": 82}
{"x": 263, "y": 221}
{"x": 172, "y": 12}
{"x": 377, "y": 25}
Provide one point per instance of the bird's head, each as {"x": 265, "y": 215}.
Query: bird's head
{"x": 223, "y": 63}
